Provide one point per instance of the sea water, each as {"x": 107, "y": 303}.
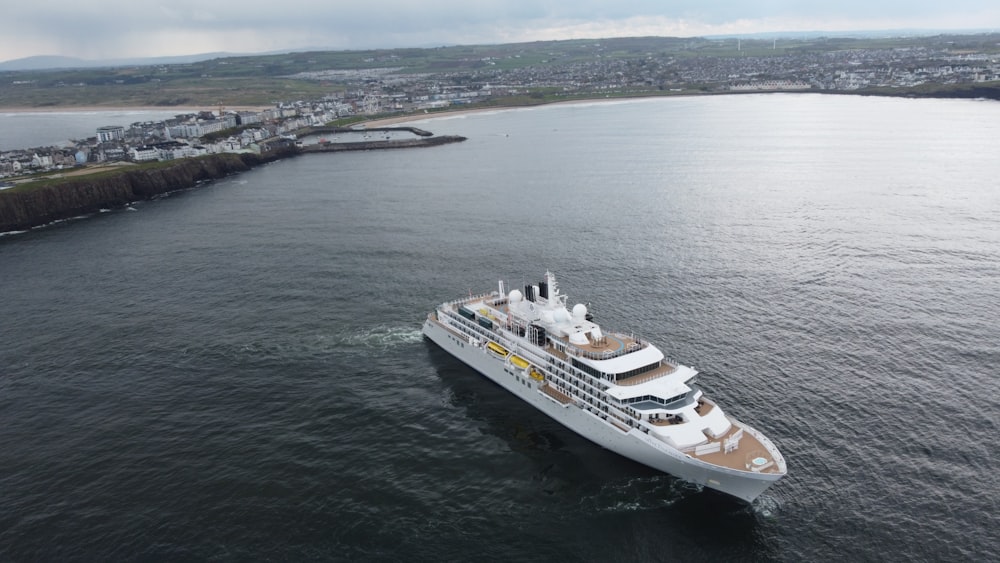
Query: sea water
{"x": 236, "y": 371}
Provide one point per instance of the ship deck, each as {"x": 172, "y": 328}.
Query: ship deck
{"x": 664, "y": 369}
{"x": 612, "y": 345}
{"x": 748, "y": 454}
{"x": 556, "y": 394}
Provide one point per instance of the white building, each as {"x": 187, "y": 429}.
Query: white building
{"x": 44, "y": 161}
{"x": 249, "y": 117}
{"x": 110, "y": 133}
{"x": 142, "y": 154}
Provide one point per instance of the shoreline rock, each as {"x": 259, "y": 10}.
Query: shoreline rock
{"x": 23, "y": 209}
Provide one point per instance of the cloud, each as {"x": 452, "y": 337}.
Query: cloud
{"x": 119, "y": 28}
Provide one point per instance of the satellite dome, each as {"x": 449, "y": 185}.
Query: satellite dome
{"x": 515, "y": 296}
{"x": 579, "y": 312}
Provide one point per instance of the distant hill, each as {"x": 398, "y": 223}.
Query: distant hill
{"x": 55, "y": 62}
{"x": 52, "y": 62}
{"x": 867, "y": 34}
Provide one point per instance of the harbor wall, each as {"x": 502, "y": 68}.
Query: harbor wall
{"x": 379, "y": 145}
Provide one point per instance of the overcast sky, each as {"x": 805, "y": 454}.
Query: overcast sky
{"x": 102, "y": 29}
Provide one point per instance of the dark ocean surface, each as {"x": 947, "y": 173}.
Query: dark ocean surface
{"x": 236, "y": 372}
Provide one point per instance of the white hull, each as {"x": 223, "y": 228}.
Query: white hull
{"x": 629, "y": 442}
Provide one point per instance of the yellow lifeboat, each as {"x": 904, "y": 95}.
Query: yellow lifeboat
{"x": 493, "y": 346}
{"x": 519, "y": 361}
{"x": 535, "y": 374}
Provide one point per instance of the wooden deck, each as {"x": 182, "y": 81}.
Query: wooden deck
{"x": 664, "y": 369}
{"x": 556, "y": 394}
{"x": 740, "y": 458}
{"x": 610, "y": 343}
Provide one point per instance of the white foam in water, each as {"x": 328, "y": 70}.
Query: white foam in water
{"x": 385, "y": 337}
{"x": 637, "y": 494}
{"x": 765, "y": 506}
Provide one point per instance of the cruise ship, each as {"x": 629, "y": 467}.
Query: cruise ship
{"x": 615, "y": 389}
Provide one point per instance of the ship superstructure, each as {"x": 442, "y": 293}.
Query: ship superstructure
{"x": 615, "y": 389}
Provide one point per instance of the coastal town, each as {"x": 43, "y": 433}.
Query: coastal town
{"x": 385, "y": 89}
{"x": 185, "y": 135}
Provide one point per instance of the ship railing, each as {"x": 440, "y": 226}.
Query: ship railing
{"x": 470, "y": 298}
{"x": 635, "y": 343}
{"x": 582, "y": 385}
{"x": 581, "y": 388}
{"x": 733, "y": 442}
{"x": 709, "y": 448}
{"x": 465, "y": 323}
{"x": 584, "y": 389}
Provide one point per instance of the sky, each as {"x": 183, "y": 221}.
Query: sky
{"x": 110, "y": 29}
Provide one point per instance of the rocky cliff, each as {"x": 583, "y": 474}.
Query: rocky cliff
{"x": 29, "y": 206}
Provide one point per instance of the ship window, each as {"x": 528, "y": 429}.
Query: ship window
{"x": 587, "y": 369}
{"x": 652, "y": 401}
{"x": 637, "y": 371}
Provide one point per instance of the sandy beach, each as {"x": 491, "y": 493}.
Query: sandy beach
{"x": 405, "y": 118}
{"x": 377, "y": 122}
{"x": 394, "y": 120}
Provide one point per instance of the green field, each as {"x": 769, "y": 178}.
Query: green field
{"x": 267, "y": 79}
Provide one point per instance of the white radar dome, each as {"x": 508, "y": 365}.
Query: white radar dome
{"x": 515, "y": 296}
{"x": 579, "y": 312}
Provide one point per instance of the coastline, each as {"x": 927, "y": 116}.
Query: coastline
{"x": 69, "y": 109}
{"x": 68, "y": 196}
{"x": 376, "y": 122}
{"x": 409, "y": 117}
{"x": 393, "y": 120}
{"x": 988, "y": 91}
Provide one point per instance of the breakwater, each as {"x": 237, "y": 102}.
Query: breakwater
{"x": 54, "y": 199}
{"x": 381, "y": 144}
{"x": 324, "y": 129}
